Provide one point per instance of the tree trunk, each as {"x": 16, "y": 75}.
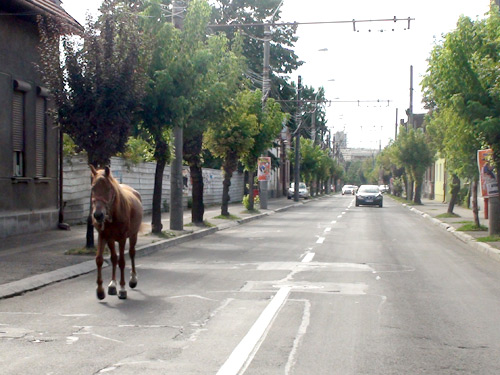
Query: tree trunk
{"x": 176, "y": 209}
{"x": 417, "y": 199}
{"x": 90, "y": 243}
{"x": 198, "y": 207}
{"x": 494, "y": 216}
{"x": 156, "y": 225}
{"x": 225, "y": 193}
{"x": 230, "y": 164}
{"x": 251, "y": 197}
{"x": 475, "y": 208}
{"x": 455, "y": 189}
{"x": 494, "y": 206}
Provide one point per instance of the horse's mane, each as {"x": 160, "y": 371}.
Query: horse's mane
{"x": 123, "y": 199}
{"x": 122, "y": 203}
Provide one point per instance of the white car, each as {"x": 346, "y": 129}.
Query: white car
{"x": 303, "y": 191}
{"x": 349, "y": 189}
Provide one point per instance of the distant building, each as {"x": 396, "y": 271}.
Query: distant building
{"x": 28, "y": 139}
{"x": 354, "y": 154}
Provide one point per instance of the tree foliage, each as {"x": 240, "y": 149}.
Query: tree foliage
{"x": 97, "y": 85}
{"x": 462, "y": 88}
{"x": 411, "y": 150}
{"x": 233, "y": 138}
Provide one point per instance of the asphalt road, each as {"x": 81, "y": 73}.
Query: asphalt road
{"x": 325, "y": 288}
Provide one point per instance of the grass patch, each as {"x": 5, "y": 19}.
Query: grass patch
{"x": 166, "y": 234}
{"x": 489, "y": 239}
{"x": 252, "y": 212}
{"x": 230, "y": 217}
{"x": 472, "y": 227}
{"x": 206, "y": 224}
{"x": 447, "y": 215}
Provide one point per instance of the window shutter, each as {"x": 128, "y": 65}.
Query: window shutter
{"x": 18, "y": 121}
{"x": 40, "y": 135}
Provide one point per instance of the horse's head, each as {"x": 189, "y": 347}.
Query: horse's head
{"x": 103, "y": 194}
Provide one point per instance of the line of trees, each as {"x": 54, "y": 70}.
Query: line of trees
{"x": 134, "y": 73}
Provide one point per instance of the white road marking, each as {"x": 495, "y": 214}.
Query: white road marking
{"x": 328, "y": 229}
{"x": 308, "y": 257}
{"x": 334, "y": 221}
{"x": 320, "y": 240}
{"x": 193, "y": 296}
{"x": 306, "y": 318}
{"x": 251, "y": 342}
{"x": 71, "y": 339}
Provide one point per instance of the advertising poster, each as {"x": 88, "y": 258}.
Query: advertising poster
{"x": 487, "y": 173}
{"x": 264, "y": 169}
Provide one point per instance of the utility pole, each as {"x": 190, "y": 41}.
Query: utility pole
{"x": 265, "y": 94}
{"x": 313, "y": 123}
{"x": 410, "y": 114}
{"x": 297, "y": 144}
{"x": 176, "y": 209}
{"x": 396, "y": 127}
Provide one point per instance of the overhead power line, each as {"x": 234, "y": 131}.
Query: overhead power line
{"x": 353, "y": 21}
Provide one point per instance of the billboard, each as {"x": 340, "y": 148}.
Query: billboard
{"x": 264, "y": 168}
{"x": 487, "y": 173}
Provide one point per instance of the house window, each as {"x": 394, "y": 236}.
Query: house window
{"x": 41, "y": 133}
{"x": 18, "y": 125}
{"x": 18, "y": 133}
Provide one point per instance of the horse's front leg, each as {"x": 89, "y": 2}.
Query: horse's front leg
{"x": 121, "y": 262}
{"x": 114, "y": 262}
{"x": 133, "y": 274}
{"x": 99, "y": 260}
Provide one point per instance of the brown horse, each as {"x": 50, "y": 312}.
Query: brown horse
{"x": 117, "y": 215}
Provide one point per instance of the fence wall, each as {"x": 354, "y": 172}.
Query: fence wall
{"x": 76, "y": 189}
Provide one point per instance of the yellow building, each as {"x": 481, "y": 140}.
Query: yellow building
{"x": 440, "y": 180}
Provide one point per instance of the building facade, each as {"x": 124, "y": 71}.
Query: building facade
{"x": 28, "y": 138}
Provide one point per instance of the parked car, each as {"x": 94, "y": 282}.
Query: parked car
{"x": 384, "y": 188}
{"x": 349, "y": 189}
{"x": 369, "y": 195}
{"x": 303, "y": 191}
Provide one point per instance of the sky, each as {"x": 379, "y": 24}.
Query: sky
{"x": 369, "y": 64}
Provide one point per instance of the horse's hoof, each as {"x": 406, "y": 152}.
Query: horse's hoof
{"x": 132, "y": 283}
{"x": 122, "y": 294}
{"x": 101, "y": 295}
{"x": 112, "y": 290}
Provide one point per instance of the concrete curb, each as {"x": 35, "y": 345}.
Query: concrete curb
{"x": 482, "y": 247}
{"x": 28, "y": 284}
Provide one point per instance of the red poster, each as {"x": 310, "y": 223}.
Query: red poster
{"x": 487, "y": 173}
{"x": 264, "y": 169}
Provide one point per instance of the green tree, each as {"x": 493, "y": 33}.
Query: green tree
{"x": 181, "y": 78}
{"x": 233, "y": 139}
{"x": 98, "y": 84}
{"x": 269, "y": 123}
{"x": 463, "y": 79}
{"x": 222, "y": 82}
{"x": 283, "y": 59}
{"x": 411, "y": 150}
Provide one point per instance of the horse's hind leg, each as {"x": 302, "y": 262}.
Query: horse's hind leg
{"x": 133, "y": 275}
{"x": 122, "y": 294}
{"x": 114, "y": 262}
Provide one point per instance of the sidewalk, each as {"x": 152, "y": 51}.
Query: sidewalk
{"x": 430, "y": 209}
{"x": 33, "y": 260}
